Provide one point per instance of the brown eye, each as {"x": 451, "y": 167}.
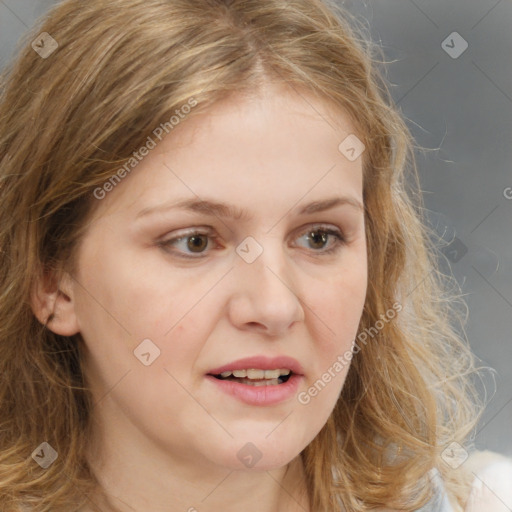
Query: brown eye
{"x": 197, "y": 243}
{"x": 194, "y": 244}
{"x": 318, "y": 238}
{"x": 184, "y": 246}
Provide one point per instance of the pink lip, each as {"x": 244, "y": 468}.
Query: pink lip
{"x": 261, "y": 363}
{"x": 262, "y": 395}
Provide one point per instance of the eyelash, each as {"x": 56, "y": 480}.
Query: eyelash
{"x": 340, "y": 241}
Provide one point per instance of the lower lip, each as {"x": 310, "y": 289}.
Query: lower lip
{"x": 259, "y": 395}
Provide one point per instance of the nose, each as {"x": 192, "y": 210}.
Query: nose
{"x": 264, "y": 297}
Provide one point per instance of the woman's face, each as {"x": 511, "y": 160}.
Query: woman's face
{"x": 160, "y": 309}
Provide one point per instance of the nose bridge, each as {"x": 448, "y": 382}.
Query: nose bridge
{"x": 263, "y": 262}
{"x": 265, "y": 279}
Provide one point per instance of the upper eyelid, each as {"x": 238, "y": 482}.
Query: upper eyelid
{"x": 207, "y": 230}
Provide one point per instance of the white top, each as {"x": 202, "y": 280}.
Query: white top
{"x": 491, "y": 489}
{"x": 492, "y": 486}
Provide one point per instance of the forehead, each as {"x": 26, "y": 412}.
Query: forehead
{"x": 278, "y": 145}
{"x": 272, "y": 104}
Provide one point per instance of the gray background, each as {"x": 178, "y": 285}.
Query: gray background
{"x": 461, "y": 110}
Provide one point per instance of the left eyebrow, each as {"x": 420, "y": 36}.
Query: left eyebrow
{"x": 214, "y": 208}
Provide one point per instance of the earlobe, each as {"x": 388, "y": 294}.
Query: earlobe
{"x": 53, "y": 305}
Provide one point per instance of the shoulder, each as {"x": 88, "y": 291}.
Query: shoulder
{"x": 492, "y": 484}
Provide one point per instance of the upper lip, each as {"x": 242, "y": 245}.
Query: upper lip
{"x": 261, "y": 363}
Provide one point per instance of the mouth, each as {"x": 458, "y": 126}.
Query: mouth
{"x": 256, "y": 377}
{"x": 259, "y": 380}
{"x": 250, "y": 387}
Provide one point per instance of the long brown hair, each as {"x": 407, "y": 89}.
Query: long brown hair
{"x": 72, "y": 117}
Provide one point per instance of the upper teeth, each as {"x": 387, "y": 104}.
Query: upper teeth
{"x": 256, "y": 374}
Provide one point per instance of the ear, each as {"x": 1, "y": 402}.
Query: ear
{"x": 52, "y": 304}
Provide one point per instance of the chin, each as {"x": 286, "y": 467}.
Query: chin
{"x": 262, "y": 457}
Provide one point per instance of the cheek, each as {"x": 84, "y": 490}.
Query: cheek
{"x": 121, "y": 306}
{"x": 339, "y": 302}
{"x": 122, "y": 294}
{"x": 336, "y": 307}
{"x": 340, "y": 314}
